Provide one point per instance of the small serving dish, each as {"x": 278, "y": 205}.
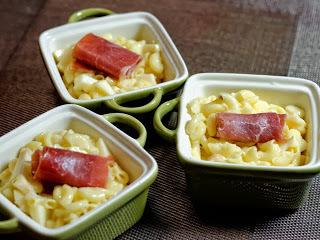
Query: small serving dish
{"x": 237, "y": 185}
{"x": 113, "y": 216}
{"x": 135, "y": 25}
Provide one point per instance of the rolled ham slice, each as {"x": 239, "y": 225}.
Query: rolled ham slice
{"x": 69, "y": 167}
{"x": 250, "y": 128}
{"x": 105, "y": 56}
{"x": 80, "y": 67}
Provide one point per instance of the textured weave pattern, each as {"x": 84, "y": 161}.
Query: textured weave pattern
{"x": 118, "y": 221}
{"x": 261, "y": 36}
{"x": 305, "y": 63}
{"x": 14, "y": 22}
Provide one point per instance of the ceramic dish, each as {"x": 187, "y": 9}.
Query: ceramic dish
{"x": 136, "y": 25}
{"x": 242, "y": 185}
{"x": 122, "y": 210}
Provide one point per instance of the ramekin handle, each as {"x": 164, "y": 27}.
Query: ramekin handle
{"x": 9, "y": 226}
{"x": 89, "y": 13}
{"x": 115, "y": 103}
{"x": 162, "y": 110}
{"x": 131, "y": 122}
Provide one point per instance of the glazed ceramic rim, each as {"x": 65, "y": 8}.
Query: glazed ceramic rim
{"x": 97, "y": 122}
{"x": 154, "y": 25}
{"x": 264, "y": 82}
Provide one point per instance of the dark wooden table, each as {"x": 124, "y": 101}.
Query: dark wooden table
{"x": 261, "y": 37}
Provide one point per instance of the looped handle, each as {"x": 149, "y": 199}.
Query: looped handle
{"x": 88, "y": 13}
{"x": 115, "y": 103}
{"x": 9, "y": 226}
{"x": 162, "y": 110}
{"x": 131, "y": 122}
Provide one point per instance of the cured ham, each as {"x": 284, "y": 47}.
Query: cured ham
{"x": 69, "y": 167}
{"x": 105, "y": 56}
{"x": 250, "y": 128}
{"x": 80, "y": 67}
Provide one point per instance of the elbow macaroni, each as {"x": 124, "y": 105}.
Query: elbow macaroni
{"x": 202, "y": 126}
{"x": 86, "y": 85}
{"x": 66, "y": 203}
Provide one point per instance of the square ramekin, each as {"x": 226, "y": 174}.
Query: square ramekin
{"x": 214, "y": 184}
{"x": 117, "y": 214}
{"x": 251, "y": 186}
{"x": 137, "y": 25}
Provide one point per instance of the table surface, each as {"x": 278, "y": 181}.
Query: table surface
{"x": 261, "y": 37}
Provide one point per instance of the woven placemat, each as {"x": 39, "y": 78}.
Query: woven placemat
{"x": 212, "y": 36}
{"x": 16, "y": 17}
{"x": 305, "y": 63}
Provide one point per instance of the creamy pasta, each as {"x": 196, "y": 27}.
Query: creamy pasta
{"x": 66, "y": 203}
{"x": 89, "y": 85}
{"x": 202, "y": 126}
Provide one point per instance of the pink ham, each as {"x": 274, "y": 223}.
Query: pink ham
{"x": 69, "y": 167}
{"x": 105, "y": 56}
{"x": 250, "y": 128}
{"x": 80, "y": 67}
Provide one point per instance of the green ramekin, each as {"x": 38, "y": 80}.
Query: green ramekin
{"x": 135, "y": 25}
{"x": 215, "y": 184}
{"x": 115, "y": 215}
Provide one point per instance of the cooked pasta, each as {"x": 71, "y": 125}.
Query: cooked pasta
{"x": 66, "y": 203}
{"x": 86, "y": 85}
{"x": 202, "y": 127}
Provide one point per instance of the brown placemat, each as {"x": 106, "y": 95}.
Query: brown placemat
{"x": 212, "y": 36}
{"x": 305, "y": 63}
{"x": 16, "y": 17}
